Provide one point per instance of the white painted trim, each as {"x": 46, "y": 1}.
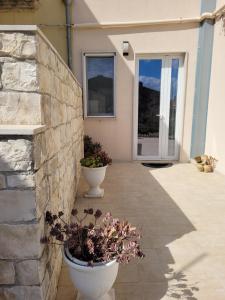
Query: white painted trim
{"x": 166, "y": 85}
{"x": 84, "y": 84}
{"x": 19, "y": 28}
{"x": 182, "y": 92}
{"x": 180, "y": 107}
{"x": 85, "y": 91}
{"x": 164, "y": 109}
{"x": 21, "y": 129}
{"x": 161, "y": 110}
{"x": 135, "y": 108}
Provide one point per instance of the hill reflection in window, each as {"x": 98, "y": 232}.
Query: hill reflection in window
{"x": 149, "y": 106}
{"x": 173, "y": 106}
{"x": 100, "y": 85}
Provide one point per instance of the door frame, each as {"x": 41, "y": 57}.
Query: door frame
{"x": 179, "y": 111}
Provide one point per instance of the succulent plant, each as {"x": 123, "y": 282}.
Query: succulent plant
{"x": 102, "y": 239}
{"x": 91, "y": 148}
{"x": 94, "y": 156}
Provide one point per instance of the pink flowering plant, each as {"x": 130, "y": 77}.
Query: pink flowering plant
{"x": 100, "y": 240}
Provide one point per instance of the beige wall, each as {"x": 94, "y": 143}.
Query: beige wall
{"x": 219, "y": 3}
{"x": 116, "y": 134}
{"x": 133, "y": 10}
{"x": 215, "y": 138}
{"x": 49, "y": 12}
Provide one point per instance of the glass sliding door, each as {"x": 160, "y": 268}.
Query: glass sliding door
{"x": 173, "y": 107}
{"x": 149, "y": 91}
{"x": 158, "y": 103}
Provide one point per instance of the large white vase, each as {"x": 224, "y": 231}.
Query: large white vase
{"x": 94, "y": 177}
{"x": 93, "y": 283}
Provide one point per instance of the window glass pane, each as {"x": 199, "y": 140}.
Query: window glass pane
{"x": 173, "y": 107}
{"x": 149, "y": 106}
{"x": 100, "y": 85}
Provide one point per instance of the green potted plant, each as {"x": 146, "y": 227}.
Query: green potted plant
{"x": 94, "y": 166}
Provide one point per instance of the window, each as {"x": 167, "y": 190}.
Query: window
{"x": 99, "y": 85}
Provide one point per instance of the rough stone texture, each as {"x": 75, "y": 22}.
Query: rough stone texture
{"x": 21, "y": 180}
{"x": 19, "y": 76}
{"x": 20, "y": 108}
{"x": 57, "y": 150}
{"x": 20, "y": 241}
{"x": 21, "y": 293}
{"x": 17, "y": 206}
{"x": 7, "y": 272}
{"x": 39, "y": 172}
{"x": 52, "y": 290}
{"x": 15, "y": 155}
{"x": 2, "y": 182}
{"x": 27, "y": 272}
{"x": 18, "y": 4}
{"x": 17, "y": 45}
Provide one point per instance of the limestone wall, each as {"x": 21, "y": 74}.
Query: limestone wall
{"x": 39, "y": 165}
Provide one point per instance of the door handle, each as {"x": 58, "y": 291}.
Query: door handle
{"x": 160, "y": 116}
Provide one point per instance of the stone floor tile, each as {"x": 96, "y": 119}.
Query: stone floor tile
{"x": 180, "y": 213}
{"x": 66, "y": 293}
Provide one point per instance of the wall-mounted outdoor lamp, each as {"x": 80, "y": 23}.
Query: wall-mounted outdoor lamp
{"x": 125, "y": 48}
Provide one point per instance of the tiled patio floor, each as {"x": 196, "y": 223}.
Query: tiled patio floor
{"x": 182, "y": 216}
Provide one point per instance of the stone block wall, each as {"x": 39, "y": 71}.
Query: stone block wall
{"x": 41, "y": 134}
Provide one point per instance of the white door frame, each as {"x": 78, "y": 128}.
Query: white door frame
{"x": 164, "y": 109}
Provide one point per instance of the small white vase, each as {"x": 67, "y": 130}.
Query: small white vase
{"x": 94, "y": 177}
{"x": 93, "y": 283}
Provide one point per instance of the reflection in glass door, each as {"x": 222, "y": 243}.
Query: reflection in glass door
{"x": 158, "y": 100}
{"x": 173, "y": 107}
{"x": 149, "y": 106}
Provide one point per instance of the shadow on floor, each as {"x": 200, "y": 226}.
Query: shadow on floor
{"x": 131, "y": 192}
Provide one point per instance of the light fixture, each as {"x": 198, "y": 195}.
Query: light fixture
{"x": 125, "y": 48}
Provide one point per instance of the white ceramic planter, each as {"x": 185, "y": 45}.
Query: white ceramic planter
{"x": 94, "y": 177}
{"x": 93, "y": 283}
